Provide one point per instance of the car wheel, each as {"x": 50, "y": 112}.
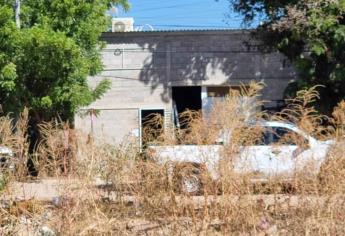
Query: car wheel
{"x": 187, "y": 179}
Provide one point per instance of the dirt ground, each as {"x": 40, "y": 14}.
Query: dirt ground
{"x": 50, "y": 191}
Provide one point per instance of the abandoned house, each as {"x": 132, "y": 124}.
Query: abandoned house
{"x": 167, "y": 72}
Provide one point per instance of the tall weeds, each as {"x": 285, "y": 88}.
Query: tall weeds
{"x": 119, "y": 190}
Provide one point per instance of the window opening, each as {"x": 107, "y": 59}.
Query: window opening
{"x": 152, "y": 126}
{"x": 185, "y": 98}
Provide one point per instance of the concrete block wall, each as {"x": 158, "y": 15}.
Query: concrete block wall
{"x": 143, "y": 66}
{"x": 110, "y": 125}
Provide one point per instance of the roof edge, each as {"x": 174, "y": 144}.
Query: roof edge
{"x": 179, "y": 32}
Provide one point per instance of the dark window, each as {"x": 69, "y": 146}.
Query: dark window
{"x": 152, "y": 125}
{"x": 218, "y": 91}
{"x": 282, "y": 136}
{"x": 185, "y": 98}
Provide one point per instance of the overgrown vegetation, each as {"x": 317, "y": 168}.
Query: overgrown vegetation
{"x": 311, "y": 33}
{"x": 117, "y": 190}
{"x": 44, "y": 64}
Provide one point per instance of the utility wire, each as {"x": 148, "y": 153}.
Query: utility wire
{"x": 168, "y": 7}
{"x": 191, "y": 26}
{"x": 199, "y": 16}
{"x": 173, "y": 80}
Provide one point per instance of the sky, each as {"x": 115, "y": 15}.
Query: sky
{"x": 182, "y": 14}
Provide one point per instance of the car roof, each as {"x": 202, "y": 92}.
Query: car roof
{"x": 275, "y": 124}
{"x": 278, "y": 124}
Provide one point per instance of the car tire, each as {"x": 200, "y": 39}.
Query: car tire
{"x": 187, "y": 179}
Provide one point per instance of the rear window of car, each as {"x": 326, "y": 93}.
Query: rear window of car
{"x": 281, "y": 136}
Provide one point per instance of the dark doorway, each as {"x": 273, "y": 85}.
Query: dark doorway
{"x": 185, "y": 98}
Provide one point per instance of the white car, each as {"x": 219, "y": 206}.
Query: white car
{"x": 268, "y": 158}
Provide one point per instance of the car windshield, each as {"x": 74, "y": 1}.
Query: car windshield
{"x": 260, "y": 135}
{"x": 282, "y": 136}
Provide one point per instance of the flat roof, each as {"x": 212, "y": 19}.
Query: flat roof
{"x": 179, "y": 32}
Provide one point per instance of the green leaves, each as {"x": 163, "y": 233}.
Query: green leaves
{"x": 339, "y": 35}
{"x": 311, "y": 34}
{"x": 318, "y": 47}
{"x": 41, "y": 103}
{"x": 8, "y": 77}
{"x": 8, "y": 46}
{"x": 101, "y": 88}
{"x": 44, "y": 65}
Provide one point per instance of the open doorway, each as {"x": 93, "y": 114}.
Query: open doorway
{"x": 185, "y": 98}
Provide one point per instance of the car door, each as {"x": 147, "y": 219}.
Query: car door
{"x": 274, "y": 155}
{"x": 256, "y": 157}
{"x": 285, "y": 146}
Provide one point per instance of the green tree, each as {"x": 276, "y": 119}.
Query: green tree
{"x": 44, "y": 65}
{"x": 8, "y": 47}
{"x": 311, "y": 33}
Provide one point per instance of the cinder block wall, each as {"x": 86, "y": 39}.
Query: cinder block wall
{"x": 143, "y": 66}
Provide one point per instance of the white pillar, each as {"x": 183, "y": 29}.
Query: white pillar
{"x": 17, "y": 13}
{"x": 203, "y": 100}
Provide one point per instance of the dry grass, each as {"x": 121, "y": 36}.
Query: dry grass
{"x": 141, "y": 197}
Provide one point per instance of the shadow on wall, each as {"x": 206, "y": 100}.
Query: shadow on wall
{"x": 202, "y": 58}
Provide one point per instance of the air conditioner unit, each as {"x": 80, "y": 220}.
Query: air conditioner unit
{"x": 122, "y": 24}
